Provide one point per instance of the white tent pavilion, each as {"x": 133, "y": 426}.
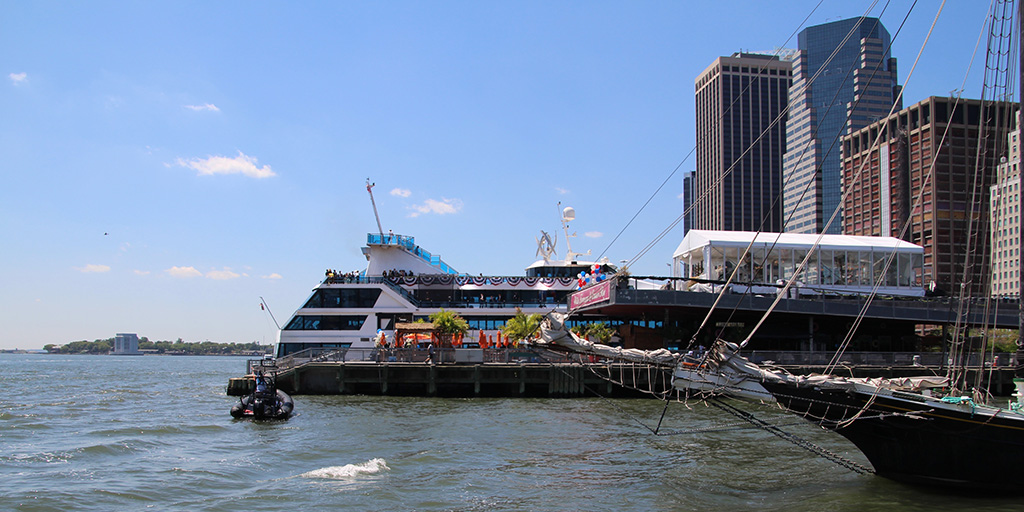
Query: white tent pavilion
{"x": 839, "y": 264}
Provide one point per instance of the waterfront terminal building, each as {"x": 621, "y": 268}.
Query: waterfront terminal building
{"x": 762, "y": 262}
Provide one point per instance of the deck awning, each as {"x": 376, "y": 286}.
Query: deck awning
{"x": 697, "y": 239}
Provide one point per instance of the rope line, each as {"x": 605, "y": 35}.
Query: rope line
{"x": 792, "y": 438}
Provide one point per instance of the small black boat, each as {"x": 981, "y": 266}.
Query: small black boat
{"x": 266, "y": 402}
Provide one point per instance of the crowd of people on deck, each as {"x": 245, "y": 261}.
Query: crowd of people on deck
{"x": 398, "y": 273}
{"x": 333, "y": 276}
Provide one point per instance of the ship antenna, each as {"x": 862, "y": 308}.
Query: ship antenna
{"x": 369, "y": 188}
{"x": 568, "y": 215}
{"x": 263, "y": 304}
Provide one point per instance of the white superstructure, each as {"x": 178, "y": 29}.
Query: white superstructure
{"x": 403, "y": 283}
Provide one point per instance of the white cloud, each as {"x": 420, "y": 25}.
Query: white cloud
{"x": 183, "y": 272}
{"x": 198, "y": 108}
{"x": 275, "y": 275}
{"x": 561, "y": 190}
{"x": 442, "y": 207}
{"x": 92, "y": 268}
{"x": 18, "y": 78}
{"x": 593, "y": 234}
{"x": 241, "y": 164}
{"x": 401, "y": 192}
{"x": 222, "y": 275}
{"x": 141, "y": 272}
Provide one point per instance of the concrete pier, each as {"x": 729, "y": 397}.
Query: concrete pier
{"x": 533, "y": 380}
{"x": 530, "y": 380}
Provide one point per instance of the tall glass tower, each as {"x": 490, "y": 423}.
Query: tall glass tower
{"x": 843, "y": 79}
{"x": 740, "y": 114}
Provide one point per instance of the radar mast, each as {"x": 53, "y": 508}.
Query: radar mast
{"x": 568, "y": 214}
{"x": 369, "y": 188}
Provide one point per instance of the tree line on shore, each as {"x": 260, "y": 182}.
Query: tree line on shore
{"x": 197, "y": 348}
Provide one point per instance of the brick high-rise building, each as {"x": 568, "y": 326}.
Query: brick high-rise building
{"x": 922, "y": 176}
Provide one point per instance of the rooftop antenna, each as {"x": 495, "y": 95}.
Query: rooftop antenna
{"x": 263, "y": 304}
{"x": 568, "y": 215}
{"x": 369, "y": 188}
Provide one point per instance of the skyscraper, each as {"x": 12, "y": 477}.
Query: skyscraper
{"x": 1004, "y": 203}
{"x": 843, "y": 79}
{"x": 741, "y": 136}
{"x": 688, "y": 197}
{"x": 923, "y": 182}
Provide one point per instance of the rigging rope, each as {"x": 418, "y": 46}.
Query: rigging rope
{"x": 796, "y": 440}
{"x": 807, "y": 187}
{"x": 847, "y": 340}
{"x": 694, "y": 149}
{"x": 847, "y": 190}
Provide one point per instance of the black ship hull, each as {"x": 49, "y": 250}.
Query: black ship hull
{"x": 908, "y": 439}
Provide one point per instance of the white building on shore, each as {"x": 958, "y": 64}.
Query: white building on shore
{"x": 838, "y": 264}
{"x": 126, "y": 344}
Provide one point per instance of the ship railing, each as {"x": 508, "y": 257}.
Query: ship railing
{"x": 409, "y": 243}
{"x": 266, "y": 365}
{"x": 831, "y": 292}
{"x": 401, "y": 291}
{"x": 308, "y": 355}
{"x": 360, "y": 279}
{"x": 876, "y": 359}
{"x": 514, "y": 355}
{"x": 449, "y": 355}
{"x": 451, "y": 304}
{"x": 443, "y": 355}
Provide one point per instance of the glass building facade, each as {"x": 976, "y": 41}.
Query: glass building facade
{"x": 843, "y": 79}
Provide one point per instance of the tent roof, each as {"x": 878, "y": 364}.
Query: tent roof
{"x": 415, "y": 326}
{"x": 698, "y": 238}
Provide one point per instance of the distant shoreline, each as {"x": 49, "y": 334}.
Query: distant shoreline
{"x": 41, "y": 352}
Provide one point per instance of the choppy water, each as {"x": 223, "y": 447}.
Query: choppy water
{"x": 133, "y": 433}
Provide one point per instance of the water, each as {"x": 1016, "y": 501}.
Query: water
{"x": 110, "y": 433}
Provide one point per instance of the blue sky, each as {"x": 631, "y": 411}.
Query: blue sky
{"x": 165, "y": 164}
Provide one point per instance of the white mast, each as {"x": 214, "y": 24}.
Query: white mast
{"x": 569, "y": 214}
{"x": 369, "y": 188}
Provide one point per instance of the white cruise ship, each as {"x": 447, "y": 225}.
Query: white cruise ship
{"x": 404, "y": 283}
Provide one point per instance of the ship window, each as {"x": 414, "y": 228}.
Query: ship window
{"x": 343, "y": 298}
{"x": 486, "y": 323}
{"x": 326, "y": 323}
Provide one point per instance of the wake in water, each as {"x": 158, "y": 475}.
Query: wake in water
{"x": 348, "y": 471}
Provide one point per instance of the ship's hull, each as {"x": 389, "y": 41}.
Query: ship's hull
{"x": 909, "y": 438}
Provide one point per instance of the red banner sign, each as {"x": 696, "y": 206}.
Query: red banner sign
{"x": 587, "y": 296}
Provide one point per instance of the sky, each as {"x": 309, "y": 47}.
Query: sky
{"x": 166, "y": 164}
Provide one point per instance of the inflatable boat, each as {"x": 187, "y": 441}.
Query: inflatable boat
{"x": 265, "y": 403}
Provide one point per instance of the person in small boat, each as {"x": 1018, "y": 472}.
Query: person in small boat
{"x": 261, "y": 384}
